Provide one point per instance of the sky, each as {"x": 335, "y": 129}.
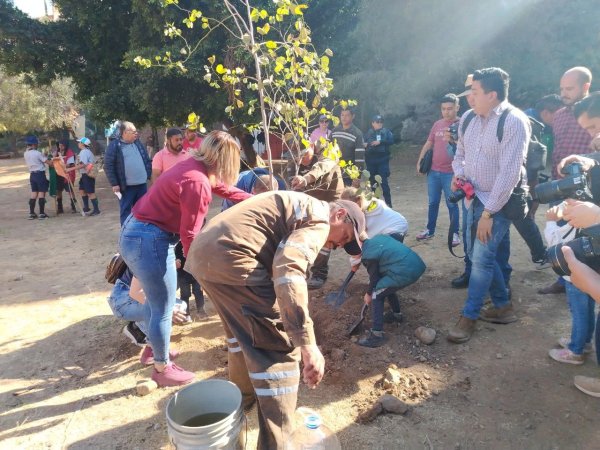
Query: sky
{"x": 35, "y": 8}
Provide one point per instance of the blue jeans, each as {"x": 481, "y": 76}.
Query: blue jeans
{"x": 126, "y": 308}
{"x": 490, "y": 268}
{"x": 380, "y": 165}
{"x": 502, "y": 256}
{"x": 582, "y": 316}
{"x": 438, "y": 182}
{"x": 130, "y": 197}
{"x": 150, "y": 254}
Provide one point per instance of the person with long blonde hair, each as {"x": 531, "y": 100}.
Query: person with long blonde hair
{"x": 175, "y": 208}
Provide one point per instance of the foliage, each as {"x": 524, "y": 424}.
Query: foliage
{"x": 277, "y": 74}
{"x": 24, "y": 109}
{"x": 408, "y": 54}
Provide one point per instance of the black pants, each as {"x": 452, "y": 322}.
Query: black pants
{"x": 188, "y": 285}
{"x": 530, "y": 233}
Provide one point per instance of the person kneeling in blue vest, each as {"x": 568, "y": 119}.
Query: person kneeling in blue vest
{"x": 391, "y": 266}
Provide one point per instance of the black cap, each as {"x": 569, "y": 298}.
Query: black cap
{"x": 377, "y": 118}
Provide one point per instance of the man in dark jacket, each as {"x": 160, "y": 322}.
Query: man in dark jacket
{"x": 378, "y": 140}
{"x": 128, "y": 168}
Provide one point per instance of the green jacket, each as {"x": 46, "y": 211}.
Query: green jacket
{"x": 390, "y": 263}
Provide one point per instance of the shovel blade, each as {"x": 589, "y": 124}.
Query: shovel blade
{"x": 356, "y": 326}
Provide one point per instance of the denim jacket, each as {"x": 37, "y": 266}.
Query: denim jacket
{"x": 114, "y": 163}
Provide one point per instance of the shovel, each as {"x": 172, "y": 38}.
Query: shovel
{"x": 338, "y": 297}
{"x": 355, "y": 327}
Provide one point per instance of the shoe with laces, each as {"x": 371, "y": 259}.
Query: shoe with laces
{"x": 94, "y": 213}
{"x": 315, "y": 283}
{"x": 42, "y": 216}
{"x": 564, "y": 343}
{"x": 134, "y": 334}
{"x": 32, "y": 216}
{"x": 423, "y": 235}
{"x": 455, "y": 240}
{"x": 147, "y": 356}
{"x": 542, "y": 264}
{"x": 564, "y": 355}
{"x": 172, "y": 375}
{"x": 372, "y": 339}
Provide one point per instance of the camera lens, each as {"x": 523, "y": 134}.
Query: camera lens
{"x": 548, "y": 192}
{"x": 557, "y": 259}
{"x": 456, "y": 196}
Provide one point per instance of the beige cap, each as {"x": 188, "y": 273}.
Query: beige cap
{"x": 468, "y": 84}
{"x": 359, "y": 224}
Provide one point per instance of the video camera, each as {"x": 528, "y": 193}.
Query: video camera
{"x": 573, "y": 185}
{"x": 464, "y": 189}
{"x": 586, "y": 249}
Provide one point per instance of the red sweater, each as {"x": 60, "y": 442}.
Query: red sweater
{"x": 178, "y": 200}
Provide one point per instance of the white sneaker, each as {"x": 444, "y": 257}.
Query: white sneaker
{"x": 455, "y": 240}
{"x": 424, "y": 235}
{"x": 564, "y": 343}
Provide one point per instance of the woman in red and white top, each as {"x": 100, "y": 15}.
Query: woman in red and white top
{"x": 174, "y": 208}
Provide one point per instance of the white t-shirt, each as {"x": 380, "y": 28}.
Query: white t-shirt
{"x": 35, "y": 160}
{"x": 384, "y": 220}
{"x": 86, "y": 157}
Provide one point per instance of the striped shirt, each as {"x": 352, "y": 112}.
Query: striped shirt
{"x": 351, "y": 143}
{"x": 569, "y": 137}
{"x": 493, "y": 167}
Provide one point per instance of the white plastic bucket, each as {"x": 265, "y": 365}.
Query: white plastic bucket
{"x": 206, "y": 397}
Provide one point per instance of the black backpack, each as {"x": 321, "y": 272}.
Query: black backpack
{"x": 536, "y": 151}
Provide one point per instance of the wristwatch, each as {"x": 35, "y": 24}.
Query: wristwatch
{"x": 486, "y": 214}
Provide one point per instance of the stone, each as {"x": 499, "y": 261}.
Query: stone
{"x": 145, "y": 387}
{"x": 338, "y": 355}
{"x": 498, "y": 355}
{"x": 393, "y": 404}
{"x": 391, "y": 378}
{"x": 425, "y": 335}
{"x": 371, "y": 414}
{"x": 422, "y": 358}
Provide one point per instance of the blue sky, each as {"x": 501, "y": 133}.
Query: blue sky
{"x": 35, "y": 8}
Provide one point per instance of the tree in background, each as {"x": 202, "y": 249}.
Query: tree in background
{"x": 408, "y": 54}
{"x": 24, "y": 109}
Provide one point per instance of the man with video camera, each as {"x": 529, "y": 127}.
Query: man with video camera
{"x": 494, "y": 168}
{"x": 580, "y": 258}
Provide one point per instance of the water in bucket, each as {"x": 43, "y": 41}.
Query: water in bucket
{"x": 206, "y": 415}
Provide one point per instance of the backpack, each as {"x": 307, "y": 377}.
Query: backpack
{"x": 536, "y": 151}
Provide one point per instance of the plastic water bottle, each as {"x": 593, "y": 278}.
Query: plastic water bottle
{"x": 313, "y": 434}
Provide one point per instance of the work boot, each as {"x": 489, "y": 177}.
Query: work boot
{"x": 554, "y": 288}
{"x": 315, "y": 283}
{"x": 460, "y": 282}
{"x": 503, "y": 315}
{"x": 462, "y": 331}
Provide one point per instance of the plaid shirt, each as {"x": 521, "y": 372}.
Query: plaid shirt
{"x": 569, "y": 137}
{"x": 494, "y": 168}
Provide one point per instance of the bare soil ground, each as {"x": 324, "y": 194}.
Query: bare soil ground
{"x": 68, "y": 375}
